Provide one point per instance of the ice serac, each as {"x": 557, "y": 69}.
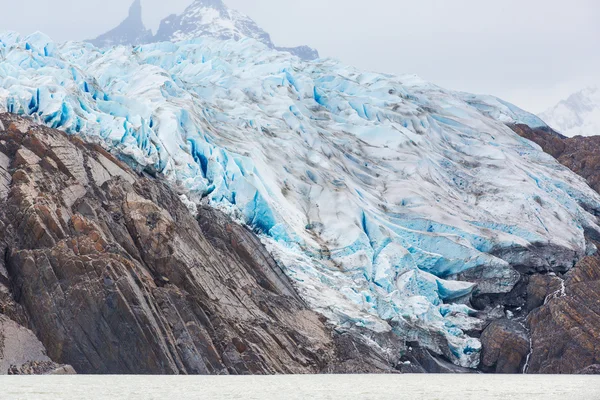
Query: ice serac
{"x": 388, "y": 200}
{"x": 578, "y": 115}
{"x": 130, "y": 31}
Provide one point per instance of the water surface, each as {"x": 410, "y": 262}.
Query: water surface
{"x": 321, "y": 387}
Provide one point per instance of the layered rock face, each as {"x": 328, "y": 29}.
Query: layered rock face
{"x": 114, "y": 275}
{"x": 565, "y": 331}
{"x": 506, "y": 347}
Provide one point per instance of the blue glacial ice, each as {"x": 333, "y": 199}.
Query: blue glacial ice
{"x": 373, "y": 191}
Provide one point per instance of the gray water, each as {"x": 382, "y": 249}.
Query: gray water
{"x": 396, "y": 387}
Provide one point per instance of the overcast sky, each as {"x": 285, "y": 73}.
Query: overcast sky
{"x": 529, "y": 52}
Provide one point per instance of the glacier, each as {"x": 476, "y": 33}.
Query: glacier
{"x": 376, "y": 193}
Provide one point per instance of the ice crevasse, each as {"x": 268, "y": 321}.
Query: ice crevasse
{"x": 378, "y": 194}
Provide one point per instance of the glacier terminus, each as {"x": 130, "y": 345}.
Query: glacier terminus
{"x": 389, "y": 201}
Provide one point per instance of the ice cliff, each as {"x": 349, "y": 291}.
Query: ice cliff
{"x": 387, "y": 199}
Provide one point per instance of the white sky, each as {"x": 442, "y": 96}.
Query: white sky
{"x": 530, "y": 52}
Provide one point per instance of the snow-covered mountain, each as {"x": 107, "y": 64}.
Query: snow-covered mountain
{"x": 579, "y": 115}
{"x": 387, "y": 200}
{"x": 202, "y": 18}
{"x": 210, "y": 18}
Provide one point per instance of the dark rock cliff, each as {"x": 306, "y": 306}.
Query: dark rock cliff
{"x": 113, "y": 274}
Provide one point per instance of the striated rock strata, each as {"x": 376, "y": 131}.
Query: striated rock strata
{"x": 565, "y": 331}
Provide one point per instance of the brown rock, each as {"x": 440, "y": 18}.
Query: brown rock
{"x": 505, "y": 347}
{"x": 25, "y": 157}
{"x": 539, "y": 288}
{"x": 566, "y": 331}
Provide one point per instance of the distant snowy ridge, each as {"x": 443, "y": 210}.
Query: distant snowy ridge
{"x": 388, "y": 200}
{"x": 203, "y": 18}
{"x": 579, "y": 115}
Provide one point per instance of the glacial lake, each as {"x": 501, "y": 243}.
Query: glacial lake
{"x": 326, "y": 387}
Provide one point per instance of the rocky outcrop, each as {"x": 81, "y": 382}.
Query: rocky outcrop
{"x": 506, "y": 347}
{"x": 419, "y": 360}
{"x": 591, "y": 370}
{"x": 552, "y": 324}
{"x": 565, "y": 331}
{"x": 21, "y": 353}
{"x": 114, "y": 275}
{"x": 41, "y": 368}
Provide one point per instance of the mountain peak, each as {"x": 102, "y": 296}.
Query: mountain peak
{"x": 214, "y": 4}
{"x": 131, "y": 31}
{"x": 135, "y": 11}
{"x": 577, "y": 115}
{"x": 211, "y": 18}
{"x": 209, "y": 3}
{"x": 202, "y": 18}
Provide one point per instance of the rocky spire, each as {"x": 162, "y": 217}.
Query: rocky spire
{"x": 130, "y": 32}
{"x": 135, "y": 13}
